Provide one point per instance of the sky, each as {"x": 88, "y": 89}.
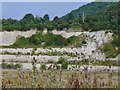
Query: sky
{"x": 17, "y": 10}
{"x": 47, "y": 0}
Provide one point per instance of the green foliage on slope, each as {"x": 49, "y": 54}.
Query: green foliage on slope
{"x": 41, "y": 39}
{"x": 109, "y": 50}
{"x": 98, "y": 16}
{"x": 77, "y": 41}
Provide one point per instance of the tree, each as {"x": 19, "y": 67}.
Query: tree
{"x": 46, "y": 17}
{"x": 70, "y": 17}
{"x": 86, "y": 27}
{"x": 55, "y": 18}
{"x": 28, "y": 17}
{"x": 38, "y": 20}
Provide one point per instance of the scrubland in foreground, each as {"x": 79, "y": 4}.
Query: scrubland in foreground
{"x": 58, "y": 79}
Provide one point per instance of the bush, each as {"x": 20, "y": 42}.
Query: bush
{"x": 40, "y": 39}
{"x": 18, "y": 66}
{"x": 33, "y": 51}
{"x": 4, "y": 65}
{"x": 20, "y": 41}
{"x": 43, "y": 66}
{"x": 50, "y": 61}
{"x": 55, "y": 40}
{"x": 61, "y": 60}
{"x": 11, "y": 66}
{"x": 109, "y": 50}
{"x": 77, "y": 41}
{"x": 64, "y": 65}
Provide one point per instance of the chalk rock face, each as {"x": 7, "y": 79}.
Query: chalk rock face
{"x": 118, "y": 57}
{"x": 16, "y": 51}
{"x": 90, "y": 50}
{"x": 8, "y": 38}
{"x": 99, "y": 36}
{"x": 94, "y": 41}
{"x": 66, "y": 34}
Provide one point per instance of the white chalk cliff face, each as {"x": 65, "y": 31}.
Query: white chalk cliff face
{"x": 8, "y": 38}
{"x": 88, "y": 51}
{"x": 94, "y": 41}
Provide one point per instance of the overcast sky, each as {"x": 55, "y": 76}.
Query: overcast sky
{"x": 17, "y": 10}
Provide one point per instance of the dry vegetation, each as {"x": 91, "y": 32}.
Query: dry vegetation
{"x": 58, "y": 79}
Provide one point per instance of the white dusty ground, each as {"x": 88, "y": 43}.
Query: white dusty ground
{"x": 28, "y": 58}
{"x": 39, "y": 58}
{"x": 76, "y": 67}
{"x": 28, "y": 66}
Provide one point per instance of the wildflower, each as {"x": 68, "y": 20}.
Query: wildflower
{"x": 76, "y": 83}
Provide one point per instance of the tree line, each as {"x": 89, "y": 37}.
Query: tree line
{"x": 98, "y": 16}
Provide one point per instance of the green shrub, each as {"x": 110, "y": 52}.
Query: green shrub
{"x": 11, "y": 65}
{"x": 40, "y": 39}
{"x": 18, "y": 66}
{"x": 20, "y": 41}
{"x": 4, "y": 65}
{"x": 55, "y": 40}
{"x": 43, "y": 67}
{"x": 33, "y": 51}
{"x": 64, "y": 65}
{"x": 61, "y": 60}
{"x": 76, "y": 41}
{"x": 109, "y": 50}
{"x": 50, "y": 61}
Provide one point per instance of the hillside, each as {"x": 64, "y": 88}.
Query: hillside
{"x": 80, "y": 45}
{"x": 98, "y": 16}
{"x": 65, "y": 52}
{"x": 90, "y": 8}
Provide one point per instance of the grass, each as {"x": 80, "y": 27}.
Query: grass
{"x": 58, "y": 79}
{"x": 55, "y": 78}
